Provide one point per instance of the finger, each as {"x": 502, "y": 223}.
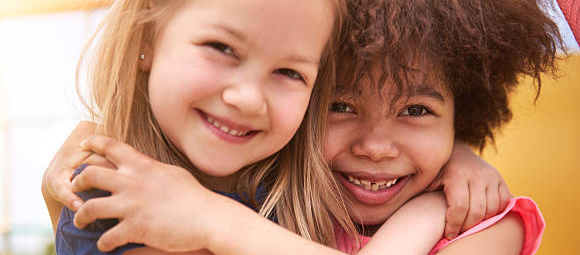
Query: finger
{"x": 79, "y": 158}
{"x": 505, "y": 196}
{"x": 114, "y": 237}
{"x": 96, "y": 177}
{"x": 98, "y": 160}
{"x": 67, "y": 197}
{"x": 98, "y": 208}
{"x": 477, "y": 206}
{"x": 457, "y": 197}
{"x": 60, "y": 188}
{"x": 112, "y": 149}
{"x": 493, "y": 197}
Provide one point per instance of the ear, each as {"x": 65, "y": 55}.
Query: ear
{"x": 146, "y": 58}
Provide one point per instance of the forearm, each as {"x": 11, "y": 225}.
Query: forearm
{"x": 54, "y": 207}
{"x": 242, "y": 231}
{"x": 414, "y": 229}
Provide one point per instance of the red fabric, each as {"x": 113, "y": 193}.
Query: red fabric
{"x": 571, "y": 10}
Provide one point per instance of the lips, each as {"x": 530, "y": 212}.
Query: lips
{"x": 227, "y": 130}
{"x": 372, "y": 190}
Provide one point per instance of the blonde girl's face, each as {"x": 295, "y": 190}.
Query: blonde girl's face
{"x": 383, "y": 156}
{"x": 230, "y": 80}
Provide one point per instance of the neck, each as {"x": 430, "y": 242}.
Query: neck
{"x": 367, "y": 230}
{"x": 221, "y": 183}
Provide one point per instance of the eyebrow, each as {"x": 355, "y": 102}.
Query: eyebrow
{"x": 231, "y": 31}
{"x": 426, "y": 90}
{"x": 303, "y": 59}
{"x": 243, "y": 37}
{"x": 341, "y": 90}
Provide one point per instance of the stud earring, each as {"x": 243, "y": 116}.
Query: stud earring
{"x": 142, "y": 56}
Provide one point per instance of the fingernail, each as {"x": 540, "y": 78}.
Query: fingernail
{"x": 76, "y": 205}
{"x": 451, "y": 236}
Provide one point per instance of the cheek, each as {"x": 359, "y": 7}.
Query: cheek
{"x": 429, "y": 148}
{"x": 287, "y": 108}
{"x": 337, "y": 140}
{"x": 184, "y": 77}
{"x": 436, "y": 150}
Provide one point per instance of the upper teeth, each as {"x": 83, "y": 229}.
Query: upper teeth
{"x": 226, "y": 129}
{"x": 370, "y": 185}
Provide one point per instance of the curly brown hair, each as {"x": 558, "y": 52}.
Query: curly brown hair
{"x": 478, "y": 47}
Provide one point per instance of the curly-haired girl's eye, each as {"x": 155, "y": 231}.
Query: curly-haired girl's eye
{"x": 415, "y": 111}
{"x": 341, "y": 107}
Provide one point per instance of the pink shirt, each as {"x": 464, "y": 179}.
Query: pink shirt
{"x": 525, "y": 207}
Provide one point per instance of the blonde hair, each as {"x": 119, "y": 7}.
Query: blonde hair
{"x": 302, "y": 192}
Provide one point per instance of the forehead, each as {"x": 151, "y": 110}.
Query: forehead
{"x": 408, "y": 83}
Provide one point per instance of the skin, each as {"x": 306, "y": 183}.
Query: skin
{"x": 214, "y": 61}
{"x": 413, "y": 229}
{"x": 383, "y": 144}
{"x": 169, "y": 199}
{"x": 244, "y": 99}
{"x": 230, "y": 89}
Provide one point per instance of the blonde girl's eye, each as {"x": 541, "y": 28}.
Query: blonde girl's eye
{"x": 223, "y": 48}
{"x": 341, "y": 107}
{"x": 415, "y": 111}
{"x": 292, "y": 74}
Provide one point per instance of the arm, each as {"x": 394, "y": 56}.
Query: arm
{"x": 504, "y": 238}
{"x": 56, "y": 185}
{"x": 474, "y": 190}
{"x": 167, "y": 199}
{"x": 159, "y": 205}
{"x": 414, "y": 229}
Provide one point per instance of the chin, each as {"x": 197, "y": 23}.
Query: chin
{"x": 216, "y": 168}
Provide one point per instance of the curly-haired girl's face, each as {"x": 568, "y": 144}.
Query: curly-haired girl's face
{"x": 384, "y": 153}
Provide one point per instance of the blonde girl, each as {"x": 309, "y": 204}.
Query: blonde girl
{"x": 222, "y": 88}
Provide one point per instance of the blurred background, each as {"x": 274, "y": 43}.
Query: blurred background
{"x": 40, "y": 41}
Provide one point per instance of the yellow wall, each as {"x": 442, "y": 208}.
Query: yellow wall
{"x": 538, "y": 154}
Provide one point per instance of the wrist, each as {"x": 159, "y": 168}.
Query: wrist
{"x": 216, "y": 222}
{"x": 231, "y": 225}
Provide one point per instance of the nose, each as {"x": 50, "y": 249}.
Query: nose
{"x": 375, "y": 145}
{"x": 247, "y": 98}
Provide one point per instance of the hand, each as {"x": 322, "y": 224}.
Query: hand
{"x": 56, "y": 185}
{"x": 474, "y": 190}
{"x": 160, "y": 205}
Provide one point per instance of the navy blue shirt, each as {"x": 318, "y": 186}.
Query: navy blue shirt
{"x": 71, "y": 240}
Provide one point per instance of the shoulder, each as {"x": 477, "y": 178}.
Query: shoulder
{"x": 517, "y": 230}
{"x": 504, "y": 237}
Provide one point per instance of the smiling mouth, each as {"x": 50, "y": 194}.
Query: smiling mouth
{"x": 371, "y": 185}
{"x": 225, "y": 128}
